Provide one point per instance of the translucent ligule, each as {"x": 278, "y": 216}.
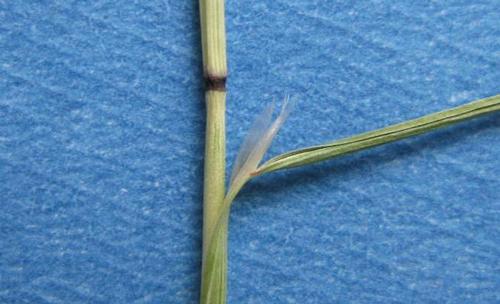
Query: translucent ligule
{"x": 255, "y": 133}
{"x": 258, "y": 141}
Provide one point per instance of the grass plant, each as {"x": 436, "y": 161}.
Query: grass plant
{"x": 217, "y": 201}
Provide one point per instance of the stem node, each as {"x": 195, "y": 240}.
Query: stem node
{"x": 215, "y": 83}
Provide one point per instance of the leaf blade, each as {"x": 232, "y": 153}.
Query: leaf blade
{"x": 381, "y": 136}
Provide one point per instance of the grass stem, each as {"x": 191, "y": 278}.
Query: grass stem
{"x": 214, "y": 263}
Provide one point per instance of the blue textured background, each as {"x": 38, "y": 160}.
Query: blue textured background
{"x": 101, "y": 142}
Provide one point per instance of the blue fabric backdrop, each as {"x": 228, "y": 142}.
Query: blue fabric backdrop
{"x": 101, "y": 152}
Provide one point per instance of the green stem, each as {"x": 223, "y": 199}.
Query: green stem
{"x": 214, "y": 263}
{"x": 215, "y": 163}
{"x": 214, "y": 285}
{"x": 214, "y": 272}
{"x": 213, "y": 197}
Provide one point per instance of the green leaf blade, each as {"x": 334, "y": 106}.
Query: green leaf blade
{"x": 382, "y": 136}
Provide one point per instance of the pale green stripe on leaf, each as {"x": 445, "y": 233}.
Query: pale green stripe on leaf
{"x": 382, "y": 136}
